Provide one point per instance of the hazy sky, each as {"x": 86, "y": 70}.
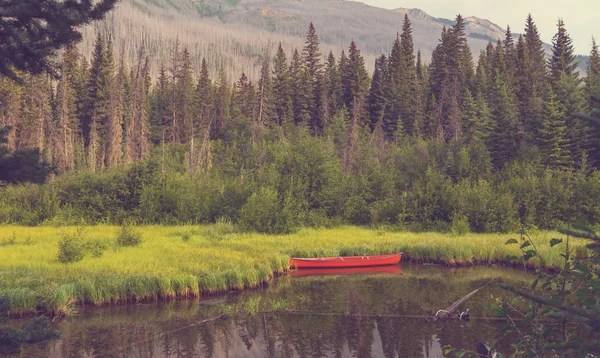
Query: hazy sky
{"x": 581, "y": 17}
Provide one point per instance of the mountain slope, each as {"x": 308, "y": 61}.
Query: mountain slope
{"x": 235, "y": 33}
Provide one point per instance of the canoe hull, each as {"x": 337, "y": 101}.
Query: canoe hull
{"x": 387, "y": 269}
{"x": 347, "y": 261}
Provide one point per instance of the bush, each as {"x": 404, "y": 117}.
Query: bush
{"x": 71, "y": 247}
{"x": 95, "y": 247}
{"x": 263, "y": 213}
{"x": 128, "y": 237}
{"x": 460, "y": 225}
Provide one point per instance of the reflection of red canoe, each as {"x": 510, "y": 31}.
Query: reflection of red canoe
{"x": 389, "y": 269}
{"x": 347, "y": 261}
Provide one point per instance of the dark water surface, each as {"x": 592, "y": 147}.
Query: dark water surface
{"x": 366, "y": 315}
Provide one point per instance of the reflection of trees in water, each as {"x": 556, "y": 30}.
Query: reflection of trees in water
{"x": 352, "y": 317}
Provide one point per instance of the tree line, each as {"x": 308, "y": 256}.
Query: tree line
{"x": 486, "y": 145}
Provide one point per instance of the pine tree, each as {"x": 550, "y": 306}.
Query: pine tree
{"x": 356, "y": 81}
{"x": 114, "y": 124}
{"x": 159, "y": 103}
{"x": 314, "y": 73}
{"x": 408, "y": 77}
{"x": 67, "y": 123}
{"x": 562, "y": 62}
{"x": 204, "y": 100}
{"x": 376, "y": 99}
{"x": 592, "y": 86}
{"x": 264, "y": 113}
{"x": 333, "y": 87}
{"x": 555, "y": 144}
{"x": 503, "y": 139}
{"x": 97, "y": 103}
{"x": 173, "y": 115}
{"x": 300, "y": 90}
{"x": 33, "y": 32}
{"x": 221, "y": 104}
{"x": 510, "y": 57}
{"x": 566, "y": 84}
{"x": 281, "y": 88}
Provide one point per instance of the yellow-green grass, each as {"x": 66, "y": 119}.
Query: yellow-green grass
{"x": 166, "y": 266}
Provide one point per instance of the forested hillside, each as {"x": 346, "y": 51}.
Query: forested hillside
{"x": 235, "y": 33}
{"x": 422, "y": 144}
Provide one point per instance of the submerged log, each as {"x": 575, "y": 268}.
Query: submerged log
{"x": 444, "y": 314}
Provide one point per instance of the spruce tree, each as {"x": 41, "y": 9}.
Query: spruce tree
{"x": 554, "y": 135}
{"x": 312, "y": 61}
{"x": 65, "y": 105}
{"x": 281, "y": 88}
{"x": 566, "y": 84}
{"x": 592, "y": 86}
{"x": 33, "y": 32}
{"x": 376, "y": 99}
{"x": 503, "y": 139}
{"x": 334, "y": 85}
{"x": 356, "y": 80}
{"x": 408, "y": 77}
{"x": 204, "y": 100}
{"x": 563, "y": 60}
{"x": 300, "y": 90}
{"x": 264, "y": 113}
{"x": 221, "y": 104}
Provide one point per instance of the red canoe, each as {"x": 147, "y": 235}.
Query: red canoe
{"x": 387, "y": 269}
{"x": 347, "y": 261}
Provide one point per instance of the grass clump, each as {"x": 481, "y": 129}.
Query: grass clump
{"x": 128, "y": 237}
{"x": 220, "y": 230}
{"x": 252, "y": 305}
{"x": 10, "y": 240}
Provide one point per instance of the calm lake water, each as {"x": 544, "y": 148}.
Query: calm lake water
{"x": 366, "y": 315}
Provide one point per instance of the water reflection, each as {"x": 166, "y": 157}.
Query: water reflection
{"x": 325, "y": 316}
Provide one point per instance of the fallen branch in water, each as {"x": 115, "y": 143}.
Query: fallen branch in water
{"x": 444, "y": 314}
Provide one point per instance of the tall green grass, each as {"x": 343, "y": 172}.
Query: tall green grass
{"x": 164, "y": 266}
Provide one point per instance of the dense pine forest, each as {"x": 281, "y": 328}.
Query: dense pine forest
{"x": 444, "y": 144}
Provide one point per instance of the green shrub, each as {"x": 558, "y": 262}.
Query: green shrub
{"x": 128, "y": 236}
{"x": 71, "y": 247}
{"x": 264, "y": 213}
{"x": 460, "y": 225}
{"x": 95, "y": 247}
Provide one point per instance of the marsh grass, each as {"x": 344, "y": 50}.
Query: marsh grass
{"x": 165, "y": 267}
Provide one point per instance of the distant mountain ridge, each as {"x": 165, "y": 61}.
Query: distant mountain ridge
{"x": 235, "y": 33}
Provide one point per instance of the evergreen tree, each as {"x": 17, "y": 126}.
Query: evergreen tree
{"x": 334, "y": 86}
{"x": 592, "y": 85}
{"x": 65, "y": 111}
{"x": 408, "y": 77}
{"x": 566, "y": 84}
{"x": 159, "y": 105}
{"x": 221, "y": 104}
{"x": 562, "y": 62}
{"x": 300, "y": 91}
{"x": 281, "y": 88}
{"x": 376, "y": 100}
{"x": 503, "y": 136}
{"x": 114, "y": 124}
{"x": 356, "y": 79}
{"x": 204, "y": 99}
{"x": 96, "y": 107}
{"x": 314, "y": 73}
{"x": 264, "y": 112}
{"x": 33, "y": 32}
{"x": 554, "y": 136}
{"x": 10, "y": 107}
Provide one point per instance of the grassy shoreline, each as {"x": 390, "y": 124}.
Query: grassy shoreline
{"x": 191, "y": 261}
